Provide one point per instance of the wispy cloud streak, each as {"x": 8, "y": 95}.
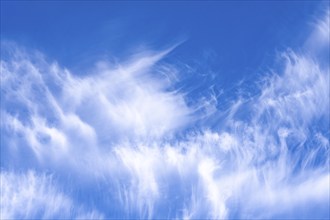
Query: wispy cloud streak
{"x": 27, "y": 196}
{"x": 125, "y": 139}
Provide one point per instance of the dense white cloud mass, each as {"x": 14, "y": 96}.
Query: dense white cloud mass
{"x": 119, "y": 141}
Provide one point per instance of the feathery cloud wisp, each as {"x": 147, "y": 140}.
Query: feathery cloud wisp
{"x": 115, "y": 132}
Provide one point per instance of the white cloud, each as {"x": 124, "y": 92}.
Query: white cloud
{"x": 32, "y": 196}
{"x": 115, "y": 128}
{"x": 50, "y": 106}
{"x": 318, "y": 41}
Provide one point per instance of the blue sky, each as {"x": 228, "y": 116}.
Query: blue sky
{"x": 241, "y": 36}
{"x": 156, "y": 110}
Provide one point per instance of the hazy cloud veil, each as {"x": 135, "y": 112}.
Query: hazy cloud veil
{"x": 124, "y": 142}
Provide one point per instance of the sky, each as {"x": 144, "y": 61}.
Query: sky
{"x": 165, "y": 110}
